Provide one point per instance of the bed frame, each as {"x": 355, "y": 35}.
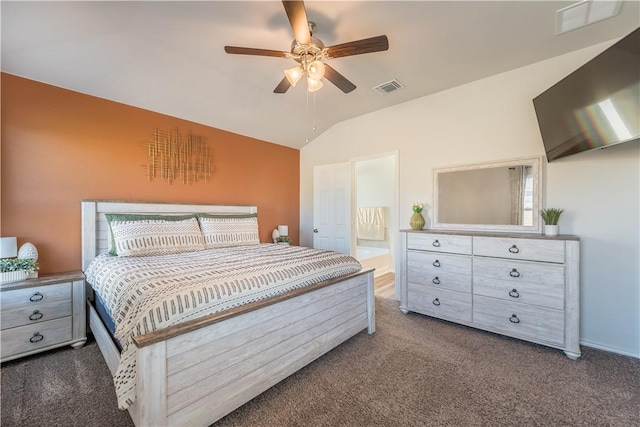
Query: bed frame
{"x": 197, "y": 372}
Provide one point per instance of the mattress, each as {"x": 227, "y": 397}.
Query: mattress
{"x": 143, "y": 294}
{"x": 107, "y": 321}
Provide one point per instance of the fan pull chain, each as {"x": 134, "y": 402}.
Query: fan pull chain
{"x": 311, "y": 117}
{"x": 307, "y": 92}
{"x": 314, "y": 111}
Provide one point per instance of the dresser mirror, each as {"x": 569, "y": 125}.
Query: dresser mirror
{"x": 497, "y": 196}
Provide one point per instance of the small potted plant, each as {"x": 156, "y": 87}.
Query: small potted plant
{"x": 283, "y": 240}
{"x": 16, "y": 269}
{"x": 550, "y": 217}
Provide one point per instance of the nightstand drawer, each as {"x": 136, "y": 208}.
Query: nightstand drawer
{"x": 28, "y": 314}
{"x": 28, "y": 338}
{"x": 35, "y": 297}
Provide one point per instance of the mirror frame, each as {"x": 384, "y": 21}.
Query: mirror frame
{"x": 536, "y": 170}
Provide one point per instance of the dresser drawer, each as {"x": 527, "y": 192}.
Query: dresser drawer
{"x": 41, "y": 313}
{"x": 35, "y": 297}
{"x": 439, "y": 302}
{"x": 439, "y": 243}
{"x": 527, "y": 283}
{"x": 521, "y": 320}
{"x": 33, "y": 337}
{"x": 440, "y": 270}
{"x": 514, "y": 248}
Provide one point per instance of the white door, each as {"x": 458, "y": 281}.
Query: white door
{"x": 332, "y": 207}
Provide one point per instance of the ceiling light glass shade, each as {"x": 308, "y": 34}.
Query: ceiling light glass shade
{"x": 293, "y": 74}
{"x": 313, "y": 85}
{"x": 316, "y": 70}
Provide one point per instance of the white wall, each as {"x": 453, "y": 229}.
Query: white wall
{"x": 494, "y": 119}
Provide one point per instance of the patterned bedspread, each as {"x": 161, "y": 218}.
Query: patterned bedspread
{"x": 143, "y": 294}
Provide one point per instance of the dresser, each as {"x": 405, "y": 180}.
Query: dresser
{"x": 42, "y": 313}
{"x": 521, "y": 285}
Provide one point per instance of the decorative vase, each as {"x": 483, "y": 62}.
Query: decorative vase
{"x": 28, "y": 251}
{"x": 551, "y": 230}
{"x": 417, "y": 221}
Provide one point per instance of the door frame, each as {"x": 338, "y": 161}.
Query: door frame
{"x": 392, "y": 225}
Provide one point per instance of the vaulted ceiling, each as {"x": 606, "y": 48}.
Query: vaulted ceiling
{"x": 169, "y": 57}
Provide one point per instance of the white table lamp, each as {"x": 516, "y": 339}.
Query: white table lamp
{"x": 283, "y": 230}
{"x": 8, "y": 247}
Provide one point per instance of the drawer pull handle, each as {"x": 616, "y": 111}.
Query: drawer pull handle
{"x": 436, "y": 263}
{"x": 36, "y": 297}
{"x": 37, "y": 337}
{"x": 514, "y": 319}
{"x": 514, "y": 249}
{"x": 36, "y": 315}
{"x": 436, "y": 280}
{"x": 514, "y": 273}
{"x": 513, "y": 293}
{"x": 436, "y": 243}
{"x": 436, "y": 301}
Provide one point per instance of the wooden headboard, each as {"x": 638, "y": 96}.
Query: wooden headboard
{"x": 96, "y": 233}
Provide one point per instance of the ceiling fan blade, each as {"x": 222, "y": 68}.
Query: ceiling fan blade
{"x": 283, "y": 86}
{"x": 251, "y": 51}
{"x": 297, "y": 15}
{"x": 370, "y": 45}
{"x": 338, "y": 79}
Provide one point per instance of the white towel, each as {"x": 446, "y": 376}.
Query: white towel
{"x": 371, "y": 223}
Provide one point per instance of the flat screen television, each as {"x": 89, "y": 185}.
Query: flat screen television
{"x": 596, "y": 106}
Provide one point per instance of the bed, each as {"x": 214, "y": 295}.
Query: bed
{"x": 197, "y": 371}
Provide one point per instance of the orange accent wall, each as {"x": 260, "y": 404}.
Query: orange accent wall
{"x": 60, "y": 147}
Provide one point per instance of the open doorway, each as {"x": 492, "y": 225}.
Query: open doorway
{"x": 375, "y": 201}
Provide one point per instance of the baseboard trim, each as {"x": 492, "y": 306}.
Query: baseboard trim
{"x": 609, "y": 349}
{"x": 380, "y": 272}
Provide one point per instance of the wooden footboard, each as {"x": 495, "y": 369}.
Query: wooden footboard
{"x": 198, "y": 377}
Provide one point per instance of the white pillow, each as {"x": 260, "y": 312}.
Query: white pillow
{"x": 229, "y": 230}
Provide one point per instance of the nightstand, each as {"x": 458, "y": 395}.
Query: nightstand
{"x": 42, "y": 313}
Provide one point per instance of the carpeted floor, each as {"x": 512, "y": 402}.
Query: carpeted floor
{"x": 414, "y": 371}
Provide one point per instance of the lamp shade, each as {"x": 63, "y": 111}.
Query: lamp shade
{"x": 316, "y": 70}
{"x": 8, "y": 247}
{"x": 293, "y": 75}
{"x": 313, "y": 85}
{"x": 283, "y": 230}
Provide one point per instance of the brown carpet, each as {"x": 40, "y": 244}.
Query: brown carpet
{"x": 414, "y": 371}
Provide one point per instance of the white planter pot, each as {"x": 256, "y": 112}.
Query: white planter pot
{"x": 12, "y": 276}
{"x": 551, "y": 230}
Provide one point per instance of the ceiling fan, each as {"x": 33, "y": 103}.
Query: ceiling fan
{"x": 311, "y": 53}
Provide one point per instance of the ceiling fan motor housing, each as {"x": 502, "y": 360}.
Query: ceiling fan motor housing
{"x": 308, "y": 52}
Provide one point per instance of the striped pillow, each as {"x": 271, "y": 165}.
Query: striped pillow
{"x": 156, "y": 237}
{"x": 138, "y": 217}
{"x": 229, "y": 230}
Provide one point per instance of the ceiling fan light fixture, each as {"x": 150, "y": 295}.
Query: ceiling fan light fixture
{"x": 313, "y": 85}
{"x": 293, "y": 74}
{"x": 315, "y": 70}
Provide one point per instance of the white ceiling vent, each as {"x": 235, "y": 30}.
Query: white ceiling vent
{"x": 584, "y": 13}
{"x": 389, "y": 87}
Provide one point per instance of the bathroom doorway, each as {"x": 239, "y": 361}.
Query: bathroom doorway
{"x": 374, "y": 214}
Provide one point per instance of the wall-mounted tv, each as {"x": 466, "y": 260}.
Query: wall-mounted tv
{"x": 596, "y": 106}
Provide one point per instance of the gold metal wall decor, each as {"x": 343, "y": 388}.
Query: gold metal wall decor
{"x": 174, "y": 157}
